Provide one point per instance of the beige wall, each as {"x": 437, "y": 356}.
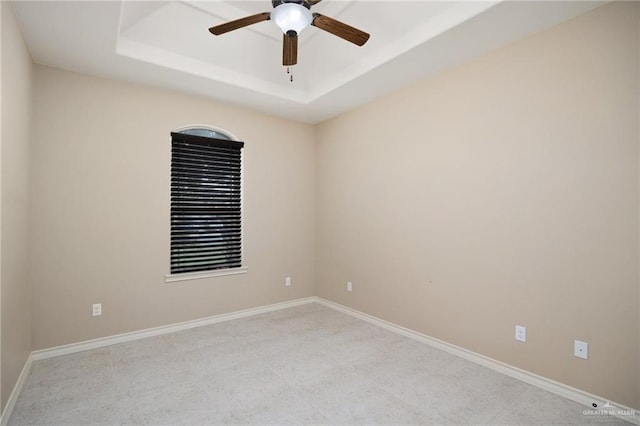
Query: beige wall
{"x": 100, "y": 217}
{"x": 2, "y": 404}
{"x": 15, "y": 318}
{"x": 502, "y": 192}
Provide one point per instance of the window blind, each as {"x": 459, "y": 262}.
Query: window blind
{"x": 206, "y": 212}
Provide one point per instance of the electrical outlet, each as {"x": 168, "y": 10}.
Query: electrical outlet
{"x": 287, "y": 281}
{"x": 581, "y": 349}
{"x": 349, "y": 286}
{"x": 521, "y": 333}
{"x": 97, "y": 309}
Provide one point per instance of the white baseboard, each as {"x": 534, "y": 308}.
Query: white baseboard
{"x": 11, "y": 402}
{"x": 565, "y": 391}
{"x": 156, "y": 331}
{"x": 584, "y": 398}
{"x": 136, "y": 335}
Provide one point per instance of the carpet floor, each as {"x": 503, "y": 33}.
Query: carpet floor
{"x": 304, "y": 365}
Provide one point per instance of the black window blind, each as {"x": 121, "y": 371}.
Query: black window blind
{"x": 206, "y": 212}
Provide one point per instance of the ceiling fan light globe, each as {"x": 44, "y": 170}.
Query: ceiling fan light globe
{"x": 291, "y": 17}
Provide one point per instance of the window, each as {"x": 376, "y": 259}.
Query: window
{"x": 206, "y": 213}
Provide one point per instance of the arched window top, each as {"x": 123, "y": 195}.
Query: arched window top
{"x": 206, "y": 132}
{"x": 206, "y": 202}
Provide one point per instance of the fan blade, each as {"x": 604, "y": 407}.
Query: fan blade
{"x": 311, "y": 2}
{"x": 239, "y": 23}
{"x": 289, "y": 49}
{"x": 340, "y": 29}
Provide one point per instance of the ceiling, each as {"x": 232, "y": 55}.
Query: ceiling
{"x": 166, "y": 44}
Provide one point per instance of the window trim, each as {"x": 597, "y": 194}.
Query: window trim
{"x": 243, "y": 269}
{"x": 187, "y": 276}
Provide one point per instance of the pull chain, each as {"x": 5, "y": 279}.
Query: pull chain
{"x": 290, "y": 72}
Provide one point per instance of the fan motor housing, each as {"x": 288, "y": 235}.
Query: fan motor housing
{"x": 277, "y": 3}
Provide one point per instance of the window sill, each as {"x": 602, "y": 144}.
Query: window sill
{"x": 199, "y": 275}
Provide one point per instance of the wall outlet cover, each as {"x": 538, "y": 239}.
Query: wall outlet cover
{"x": 581, "y": 349}
{"x": 97, "y": 309}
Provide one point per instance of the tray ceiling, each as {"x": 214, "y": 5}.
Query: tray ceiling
{"x": 167, "y": 44}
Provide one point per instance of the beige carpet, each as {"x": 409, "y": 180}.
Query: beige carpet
{"x": 303, "y": 365}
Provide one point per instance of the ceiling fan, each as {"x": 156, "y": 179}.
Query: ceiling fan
{"x": 292, "y": 16}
